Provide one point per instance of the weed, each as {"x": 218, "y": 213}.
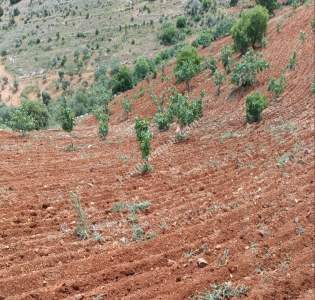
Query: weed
{"x": 138, "y": 233}
{"x": 82, "y": 228}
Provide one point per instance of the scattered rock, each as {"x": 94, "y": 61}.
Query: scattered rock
{"x": 201, "y": 262}
{"x": 78, "y": 297}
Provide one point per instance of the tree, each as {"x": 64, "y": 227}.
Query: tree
{"x": 144, "y": 138}
{"x": 122, "y": 80}
{"x": 38, "y": 113}
{"x": 277, "y": 86}
{"x": 255, "y": 104}
{"x": 250, "y": 28}
{"x": 270, "y": 5}
{"x": 169, "y": 34}
{"x": 21, "y": 121}
{"x": 127, "y": 106}
{"x": 246, "y": 70}
{"x": 67, "y": 117}
{"x": 143, "y": 68}
{"x": 187, "y": 65}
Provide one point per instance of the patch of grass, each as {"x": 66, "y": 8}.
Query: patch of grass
{"x": 223, "y": 291}
{"x": 228, "y": 135}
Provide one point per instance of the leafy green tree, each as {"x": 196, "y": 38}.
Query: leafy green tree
{"x": 38, "y": 113}
{"x": 188, "y": 64}
{"x": 255, "y": 104}
{"x": 169, "y": 34}
{"x": 21, "y": 121}
{"x": 143, "y": 68}
{"x": 270, "y": 5}
{"x": 122, "y": 80}
{"x": 218, "y": 79}
{"x": 250, "y": 28}
{"x": 246, "y": 70}
{"x": 67, "y": 117}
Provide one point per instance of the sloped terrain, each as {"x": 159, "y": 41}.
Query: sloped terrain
{"x": 240, "y": 196}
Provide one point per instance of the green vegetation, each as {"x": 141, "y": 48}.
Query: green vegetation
{"x": 250, "y": 28}
{"x": 292, "y": 61}
{"x": 246, "y": 70}
{"x": 226, "y": 58}
{"x": 22, "y": 122}
{"x": 67, "y": 117}
{"x": 122, "y": 80}
{"x": 103, "y": 126}
{"x": 82, "y": 228}
{"x": 218, "y": 79}
{"x": 127, "y": 107}
{"x": 270, "y": 5}
{"x": 188, "y": 64}
{"x": 255, "y": 104}
{"x": 144, "y": 138}
{"x": 204, "y": 39}
{"x": 277, "y": 86}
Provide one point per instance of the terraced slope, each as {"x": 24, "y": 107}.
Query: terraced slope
{"x": 239, "y": 196}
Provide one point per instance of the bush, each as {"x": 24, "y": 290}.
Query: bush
{"x": 103, "y": 126}
{"x": 144, "y": 138}
{"x": 67, "y": 117}
{"x": 223, "y": 27}
{"x": 187, "y": 65}
{"x": 204, "y": 39}
{"x": 233, "y": 3}
{"x": 46, "y": 97}
{"x": 226, "y": 58}
{"x": 250, "y": 29}
{"x": 247, "y": 69}
{"x": 122, "y": 80}
{"x": 127, "y": 106}
{"x": 162, "y": 120}
{"x": 270, "y": 5}
{"x": 1, "y": 12}
{"x": 277, "y": 86}
{"x": 38, "y": 113}
{"x": 143, "y": 68}
{"x": 211, "y": 64}
{"x": 218, "y": 79}
{"x": 181, "y": 22}
{"x": 169, "y": 34}
{"x": 255, "y": 104}
{"x": 21, "y": 121}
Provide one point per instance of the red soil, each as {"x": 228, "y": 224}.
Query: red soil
{"x": 209, "y": 193}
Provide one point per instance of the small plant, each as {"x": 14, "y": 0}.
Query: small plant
{"x": 313, "y": 88}
{"x": 144, "y": 138}
{"x": 138, "y": 233}
{"x": 218, "y": 79}
{"x": 162, "y": 120}
{"x": 67, "y": 117}
{"x": 204, "y": 39}
{"x": 103, "y": 126}
{"x": 277, "y": 86}
{"x": 82, "y": 228}
{"x": 255, "y": 104}
{"x": 247, "y": 69}
{"x": 223, "y": 291}
{"x": 226, "y": 58}
{"x": 302, "y": 36}
{"x": 211, "y": 64}
{"x": 271, "y": 5}
{"x": 127, "y": 106}
{"x": 292, "y": 61}
{"x": 181, "y": 22}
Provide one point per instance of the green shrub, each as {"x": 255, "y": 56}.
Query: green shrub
{"x": 211, "y": 64}
{"x": 313, "y": 88}
{"x": 250, "y": 28}
{"x": 21, "y": 121}
{"x": 1, "y": 12}
{"x": 143, "y": 68}
{"x": 162, "y": 120}
{"x": 270, "y": 5}
{"x": 246, "y": 70}
{"x": 122, "y": 80}
{"x": 218, "y": 79}
{"x": 226, "y": 58}
{"x": 223, "y": 26}
{"x": 144, "y": 138}
{"x": 46, "y": 97}
{"x": 38, "y": 113}
{"x": 181, "y": 22}
{"x": 255, "y": 104}
{"x": 103, "y": 126}
{"x": 188, "y": 64}
{"x": 204, "y": 39}
{"x": 277, "y": 86}
{"x": 292, "y": 61}
{"x": 127, "y": 106}
{"x": 233, "y": 3}
{"x": 169, "y": 34}
{"x": 67, "y": 117}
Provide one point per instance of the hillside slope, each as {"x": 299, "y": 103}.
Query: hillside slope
{"x": 240, "y": 196}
